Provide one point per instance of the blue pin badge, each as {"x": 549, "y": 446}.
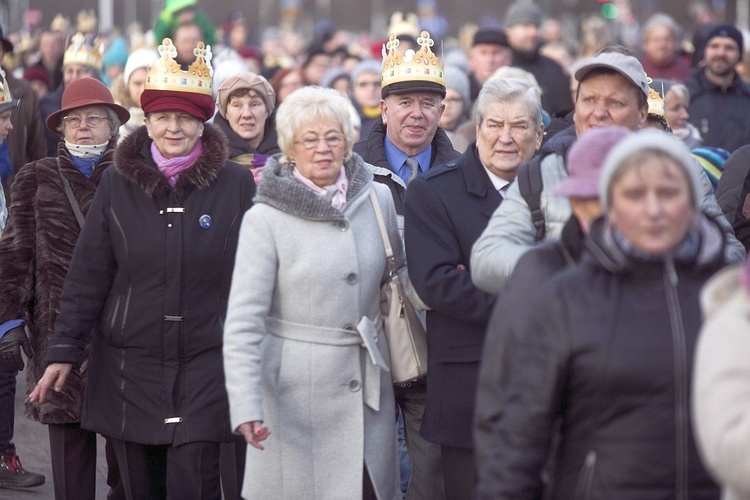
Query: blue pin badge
{"x": 205, "y": 221}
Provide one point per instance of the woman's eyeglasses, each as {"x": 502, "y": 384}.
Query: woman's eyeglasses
{"x": 92, "y": 121}
{"x": 333, "y": 141}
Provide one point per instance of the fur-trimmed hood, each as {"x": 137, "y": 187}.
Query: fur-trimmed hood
{"x": 134, "y": 162}
{"x": 280, "y": 190}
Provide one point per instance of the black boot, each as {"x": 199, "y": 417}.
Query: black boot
{"x": 14, "y": 476}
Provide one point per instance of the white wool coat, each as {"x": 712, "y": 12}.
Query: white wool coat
{"x": 721, "y": 385}
{"x": 304, "y": 277}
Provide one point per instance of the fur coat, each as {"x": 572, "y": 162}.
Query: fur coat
{"x": 35, "y": 253}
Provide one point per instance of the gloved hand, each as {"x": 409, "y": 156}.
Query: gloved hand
{"x": 10, "y": 349}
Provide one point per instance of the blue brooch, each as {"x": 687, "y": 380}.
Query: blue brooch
{"x": 205, "y": 221}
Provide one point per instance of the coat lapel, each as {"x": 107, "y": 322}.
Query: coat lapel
{"x": 478, "y": 184}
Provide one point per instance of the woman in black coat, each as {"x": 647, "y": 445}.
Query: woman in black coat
{"x": 608, "y": 361}
{"x": 150, "y": 278}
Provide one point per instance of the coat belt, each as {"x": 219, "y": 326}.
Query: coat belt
{"x": 365, "y": 335}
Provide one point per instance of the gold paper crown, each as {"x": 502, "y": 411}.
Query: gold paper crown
{"x": 81, "y": 51}
{"x": 86, "y": 21}
{"x": 404, "y": 24}
{"x": 655, "y": 101}
{"x": 422, "y": 65}
{"x": 166, "y": 73}
{"x": 5, "y": 96}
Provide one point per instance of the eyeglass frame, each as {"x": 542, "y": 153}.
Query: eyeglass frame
{"x": 310, "y": 146}
{"x": 66, "y": 120}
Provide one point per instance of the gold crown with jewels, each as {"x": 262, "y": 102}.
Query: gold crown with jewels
{"x": 422, "y": 65}
{"x": 84, "y": 52}
{"x": 166, "y": 74}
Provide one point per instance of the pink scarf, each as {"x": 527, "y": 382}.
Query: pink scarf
{"x": 334, "y": 194}
{"x": 172, "y": 167}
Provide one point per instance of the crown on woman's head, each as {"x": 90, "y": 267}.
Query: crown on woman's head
{"x": 84, "y": 52}
{"x": 166, "y": 74}
{"x": 422, "y": 65}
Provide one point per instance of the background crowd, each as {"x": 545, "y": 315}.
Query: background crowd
{"x": 559, "y": 200}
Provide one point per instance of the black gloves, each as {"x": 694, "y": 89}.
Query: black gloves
{"x": 10, "y": 349}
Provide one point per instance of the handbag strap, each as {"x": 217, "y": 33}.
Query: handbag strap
{"x": 381, "y": 224}
{"x": 69, "y": 194}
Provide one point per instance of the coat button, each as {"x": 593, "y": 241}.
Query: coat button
{"x": 342, "y": 225}
{"x": 354, "y": 385}
{"x": 352, "y": 278}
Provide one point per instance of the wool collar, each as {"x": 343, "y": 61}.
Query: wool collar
{"x": 134, "y": 162}
{"x": 281, "y": 190}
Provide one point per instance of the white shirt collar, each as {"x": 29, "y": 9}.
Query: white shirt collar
{"x": 496, "y": 180}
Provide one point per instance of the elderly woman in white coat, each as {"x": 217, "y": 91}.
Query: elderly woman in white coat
{"x": 721, "y": 385}
{"x": 304, "y": 352}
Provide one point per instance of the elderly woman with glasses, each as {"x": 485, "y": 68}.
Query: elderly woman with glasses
{"x": 51, "y": 197}
{"x": 304, "y": 351}
{"x": 149, "y": 283}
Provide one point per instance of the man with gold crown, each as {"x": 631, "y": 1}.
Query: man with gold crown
{"x": 12, "y": 473}
{"x": 82, "y": 58}
{"x": 148, "y": 286}
{"x": 405, "y": 142}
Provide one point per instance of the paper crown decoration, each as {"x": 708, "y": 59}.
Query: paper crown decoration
{"x": 6, "y": 99}
{"x": 420, "y": 66}
{"x": 166, "y": 73}
{"x": 404, "y": 25}
{"x": 84, "y": 52}
{"x": 656, "y": 101}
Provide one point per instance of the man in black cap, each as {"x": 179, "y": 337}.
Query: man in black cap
{"x": 719, "y": 99}
{"x": 489, "y": 51}
{"x": 406, "y": 141}
{"x": 522, "y": 21}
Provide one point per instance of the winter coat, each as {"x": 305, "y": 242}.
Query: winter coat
{"x": 719, "y": 113}
{"x": 550, "y": 76}
{"x": 512, "y": 313}
{"x": 372, "y": 151}
{"x": 730, "y": 188}
{"x": 35, "y": 253}
{"x": 609, "y": 356}
{"x": 26, "y": 141}
{"x": 150, "y": 276}
{"x": 511, "y": 231}
{"x": 446, "y": 210}
{"x": 721, "y": 404}
{"x": 677, "y": 70}
{"x": 295, "y": 343}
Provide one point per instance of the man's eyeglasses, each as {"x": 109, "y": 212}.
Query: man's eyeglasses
{"x": 333, "y": 141}
{"x": 92, "y": 121}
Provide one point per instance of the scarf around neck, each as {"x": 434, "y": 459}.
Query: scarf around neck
{"x": 172, "y": 167}
{"x": 335, "y": 194}
{"x": 86, "y": 150}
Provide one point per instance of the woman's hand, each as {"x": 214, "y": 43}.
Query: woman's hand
{"x": 254, "y": 433}
{"x": 56, "y": 373}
